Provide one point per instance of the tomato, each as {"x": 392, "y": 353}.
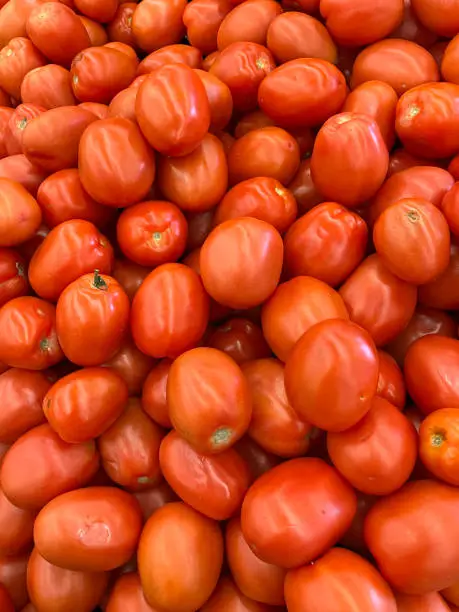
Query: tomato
{"x": 303, "y": 189}
{"x": 96, "y": 32}
{"x": 227, "y": 596}
{"x": 13, "y": 575}
{"x": 402, "y": 160}
{"x": 315, "y": 88}
{"x": 241, "y": 339}
{"x": 391, "y": 385}
{"x": 57, "y": 32}
{"x": 449, "y": 207}
{"x": 13, "y": 19}
{"x": 14, "y": 131}
{"x": 48, "y": 86}
{"x": 127, "y": 594}
{"x": 20, "y": 215}
{"x": 94, "y": 529}
{"x": 241, "y": 262}
{"x": 120, "y": 27}
{"x": 74, "y": 416}
{"x": 19, "y": 169}
{"x": 294, "y": 308}
{"x": 99, "y": 10}
{"x": 152, "y": 499}
{"x": 427, "y": 120}
{"x": 258, "y": 460}
{"x": 306, "y": 506}
{"x": 438, "y": 443}
{"x": 252, "y": 121}
{"x": 202, "y": 19}
{"x": 16, "y": 527}
{"x": 18, "y": 58}
{"x": 331, "y": 375}
{"x": 243, "y": 66}
{"x": 157, "y": 23}
{"x": 170, "y": 311}
{"x": 443, "y": 291}
{"x": 5, "y": 600}
{"x": 443, "y": 19}
{"x": 171, "y": 54}
{"x": 192, "y": 541}
{"x": 379, "y": 301}
{"x": 132, "y": 365}
{"x": 52, "y": 587}
{"x": 396, "y": 534}
{"x": 306, "y": 6}
{"x": 220, "y": 100}
{"x": 249, "y": 22}
{"x": 431, "y": 602}
{"x": 117, "y": 168}
{"x": 129, "y": 275}
{"x": 13, "y": 278}
{"x": 5, "y": 116}
{"x": 123, "y": 104}
{"x": 154, "y": 401}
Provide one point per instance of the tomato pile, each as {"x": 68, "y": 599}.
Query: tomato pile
{"x": 229, "y": 295}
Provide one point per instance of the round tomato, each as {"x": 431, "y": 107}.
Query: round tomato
{"x": 241, "y": 339}
{"x": 132, "y": 365}
{"x": 127, "y": 593}
{"x": 438, "y": 442}
{"x": 157, "y": 23}
{"x": 20, "y": 215}
{"x": 391, "y": 384}
{"x": 13, "y": 277}
{"x": 16, "y": 535}
{"x": 154, "y": 401}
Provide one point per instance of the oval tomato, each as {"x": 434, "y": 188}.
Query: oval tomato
{"x": 20, "y": 215}
{"x": 450, "y": 206}
{"x": 18, "y": 57}
{"x": 303, "y": 189}
{"x": 48, "y": 86}
{"x": 127, "y": 594}
{"x": 438, "y": 443}
{"x": 227, "y": 596}
{"x": 157, "y": 23}
{"x": 129, "y": 275}
{"x": 443, "y": 19}
{"x": 120, "y": 27}
{"x": 16, "y": 535}
{"x": 220, "y": 100}
{"x": 443, "y": 292}
{"x": 154, "y": 401}
{"x": 431, "y": 602}
{"x": 13, "y": 277}
{"x": 132, "y": 365}
{"x": 241, "y": 339}
{"x": 248, "y": 22}
{"x": 96, "y": 32}
{"x": 14, "y": 131}
{"x": 202, "y": 19}
{"x": 19, "y": 169}
{"x": 99, "y": 10}
{"x": 391, "y": 384}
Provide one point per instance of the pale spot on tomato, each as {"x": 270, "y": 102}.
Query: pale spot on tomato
{"x": 94, "y": 534}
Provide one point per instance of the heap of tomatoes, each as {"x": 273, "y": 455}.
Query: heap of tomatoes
{"x": 229, "y": 295}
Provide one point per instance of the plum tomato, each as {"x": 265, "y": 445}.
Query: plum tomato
{"x": 171, "y": 54}
{"x": 202, "y": 19}
{"x": 16, "y": 524}
{"x": 220, "y": 100}
{"x": 20, "y": 215}
{"x": 19, "y": 120}
{"x": 120, "y": 27}
{"x": 443, "y": 292}
{"x": 157, "y": 23}
{"x": 127, "y": 593}
{"x": 129, "y": 275}
{"x": 241, "y": 339}
{"x": 13, "y": 275}
{"x": 227, "y": 596}
{"x": 391, "y": 384}
{"x": 442, "y": 19}
{"x": 154, "y": 400}
{"x": 248, "y": 22}
{"x": 18, "y": 57}
{"x": 450, "y": 208}
{"x": 438, "y": 442}
{"x": 132, "y": 365}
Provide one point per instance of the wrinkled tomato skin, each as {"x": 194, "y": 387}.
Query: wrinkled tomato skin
{"x": 13, "y": 277}
{"x": 154, "y": 401}
{"x": 16, "y": 527}
{"x": 247, "y": 23}
{"x": 172, "y": 54}
{"x": 18, "y": 58}
{"x": 39, "y": 466}
{"x": 127, "y": 594}
{"x": 227, "y": 596}
{"x": 120, "y": 27}
{"x": 102, "y": 11}
{"x": 73, "y": 416}
{"x": 65, "y": 536}
{"x": 129, "y": 275}
{"x": 202, "y": 19}
{"x": 296, "y": 533}
{"x": 48, "y": 86}
{"x": 132, "y": 365}
{"x": 20, "y": 215}
{"x": 193, "y": 541}
{"x": 158, "y": 23}
{"x": 241, "y": 339}
{"x": 438, "y": 442}
{"x": 391, "y": 384}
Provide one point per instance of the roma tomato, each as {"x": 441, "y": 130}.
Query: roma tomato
{"x": 431, "y": 602}
{"x": 214, "y": 485}
{"x": 96, "y": 32}
{"x": 154, "y": 400}
{"x": 83, "y": 404}
{"x": 16, "y": 527}
{"x": 303, "y": 189}
{"x": 13, "y": 277}
{"x": 20, "y": 215}
{"x": 117, "y": 167}
{"x": 28, "y": 331}
{"x": 443, "y": 292}
{"x": 192, "y": 541}
{"x": 171, "y": 54}
{"x": 129, "y": 275}
{"x": 19, "y": 169}
{"x": 17, "y": 58}
{"x": 241, "y": 262}
{"x": 202, "y": 19}
{"x": 438, "y": 442}
{"x": 123, "y": 104}
{"x": 379, "y": 301}
{"x": 340, "y": 579}
{"x": 412, "y": 29}
{"x": 157, "y": 23}
{"x": 98, "y": 109}
{"x": 227, "y": 596}
{"x": 450, "y": 208}
{"x": 152, "y": 499}
{"x": 132, "y": 365}
{"x": 241, "y": 339}
{"x": 350, "y": 160}
{"x": 170, "y": 311}
{"x": 5, "y": 600}
{"x": 99, "y": 10}
{"x": 176, "y": 87}
{"x": 307, "y": 507}
{"x": 127, "y": 594}
{"x": 94, "y": 529}
{"x": 13, "y": 19}
{"x": 331, "y": 375}
{"x": 54, "y": 588}
{"x": 14, "y": 131}
{"x": 120, "y": 27}
{"x": 295, "y": 307}
{"x": 220, "y": 100}
{"x": 39, "y": 466}
{"x": 443, "y": 19}
{"x": 252, "y": 121}
{"x": 248, "y": 22}
{"x": 391, "y": 384}
{"x": 199, "y": 227}
{"x": 222, "y": 408}
{"x": 48, "y": 86}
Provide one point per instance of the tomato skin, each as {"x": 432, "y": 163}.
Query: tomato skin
{"x": 315, "y": 88}
{"x": 431, "y": 602}
{"x": 402, "y": 160}
{"x": 5, "y": 600}
{"x": 202, "y": 19}
{"x": 152, "y": 499}
{"x": 117, "y": 167}
{"x": 96, "y": 32}
{"x": 170, "y": 311}
{"x": 16, "y": 527}
{"x": 127, "y": 594}
{"x": 13, "y": 575}
{"x": 98, "y": 109}
{"x": 443, "y": 292}
{"x": 449, "y": 207}
{"x": 13, "y": 277}
{"x": 438, "y": 442}
{"x": 339, "y": 571}
{"x": 120, "y": 27}
{"x": 391, "y": 384}
{"x": 227, "y": 596}
{"x": 303, "y": 189}
{"x": 19, "y": 169}
{"x": 193, "y": 541}
{"x": 171, "y": 54}
{"x": 72, "y": 416}
{"x": 294, "y": 532}
{"x": 295, "y": 307}
{"x": 154, "y": 401}
{"x": 123, "y": 104}
{"x": 220, "y": 100}
{"x": 179, "y": 132}
{"x": 132, "y": 365}
{"x": 5, "y": 115}
{"x": 400, "y": 519}
{"x": 443, "y": 19}
{"x": 48, "y": 86}
{"x": 39, "y": 466}
{"x": 248, "y": 22}
{"x": 65, "y": 536}
{"x": 241, "y": 339}
{"x": 20, "y": 215}
{"x": 158, "y": 23}
{"x": 14, "y": 131}
{"x": 451, "y": 594}
{"x": 99, "y": 10}
{"x": 18, "y": 58}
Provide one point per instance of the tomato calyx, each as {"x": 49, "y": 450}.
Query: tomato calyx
{"x": 438, "y": 437}
{"x": 98, "y": 282}
{"x": 221, "y": 436}
{"x": 413, "y": 215}
{"x": 20, "y": 269}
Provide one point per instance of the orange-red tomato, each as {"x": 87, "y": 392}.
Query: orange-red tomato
{"x": 451, "y": 594}
{"x": 20, "y": 215}
{"x": 443, "y": 292}
{"x": 412, "y": 29}
{"x": 307, "y": 507}
{"x": 120, "y": 27}
{"x": 220, "y": 100}
{"x": 48, "y": 86}
{"x": 152, "y": 499}
{"x": 98, "y": 109}
{"x": 438, "y": 442}
{"x": 132, "y": 365}
{"x": 123, "y": 104}
{"x": 127, "y": 594}
{"x": 5, "y": 599}
{"x": 192, "y": 541}
{"x": 391, "y": 384}
{"x": 450, "y": 208}
{"x": 13, "y": 277}
{"x": 19, "y": 169}
{"x": 154, "y": 401}
{"x": 129, "y": 275}
{"x": 14, "y": 131}
{"x": 99, "y": 10}
{"x": 13, "y": 575}
{"x": 431, "y": 602}
{"x": 241, "y": 339}
{"x": 96, "y": 31}
{"x": 258, "y": 460}
{"x": 303, "y": 189}
{"x": 18, "y": 57}
{"x": 249, "y": 22}
{"x": 171, "y": 54}
{"x": 442, "y": 19}
{"x": 16, "y": 535}
{"x": 5, "y": 115}
{"x": 202, "y": 19}
{"x": 228, "y": 597}
{"x": 157, "y": 23}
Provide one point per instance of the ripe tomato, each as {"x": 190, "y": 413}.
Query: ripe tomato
{"x": 192, "y": 541}
{"x": 83, "y": 404}
{"x": 220, "y": 100}
{"x": 120, "y": 26}
{"x": 99, "y": 110}
{"x": 289, "y": 496}
{"x": 48, "y": 86}
{"x": 443, "y": 19}
{"x": 402, "y": 160}
{"x": 438, "y": 444}
{"x": 228, "y": 597}
{"x": 443, "y": 292}
{"x": 157, "y": 23}
{"x": 18, "y": 57}
{"x": 132, "y": 365}
{"x": 258, "y": 460}
{"x": 252, "y": 121}
{"x": 391, "y": 384}
{"x": 396, "y": 534}
{"x": 5, "y": 115}
{"x": 5, "y": 600}
{"x": 127, "y": 593}
{"x": 431, "y": 602}
{"x": 52, "y": 587}
{"x": 154, "y": 401}
{"x": 20, "y": 215}
{"x": 123, "y": 104}
{"x": 331, "y": 375}
{"x": 241, "y": 339}
{"x": 249, "y": 22}
{"x": 96, "y": 32}
{"x": 19, "y": 169}
{"x": 13, "y": 278}
{"x": 19, "y": 120}
{"x": 202, "y": 19}
{"x": 99, "y": 10}
{"x": 94, "y": 529}
{"x": 451, "y": 594}
{"x": 16, "y": 527}
{"x": 222, "y": 406}
{"x": 171, "y": 54}
{"x": 449, "y": 207}
{"x": 303, "y": 189}
{"x": 129, "y": 275}
{"x": 152, "y": 499}
{"x": 13, "y": 575}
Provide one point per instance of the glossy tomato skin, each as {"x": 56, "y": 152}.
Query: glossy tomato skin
{"x": 158, "y": 23}
{"x": 391, "y": 384}
{"x": 132, "y": 365}
{"x": 192, "y": 541}
{"x": 401, "y": 545}
{"x": 222, "y": 408}
{"x": 52, "y": 587}
{"x": 20, "y": 215}
{"x": 181, "y": 131}
{"x": 28, "y": 329}
{"x": 316, "y": 90}
{"x": 21, "y": 170}
{"x": 247, "y": 23}
{"x": 241, "y": 339}
{"x": 350, "y": 160}
{"x": 127, "y": 594}
{"x": 123, "y": 104}
{"x": 202, "y": 19}
{"x": 20, "y": 119}
{"x": 170, "y": 311}
{"x": 16, "y": 527}
{"x": 443, "y": 19}
{"x": 13, "y": 277}
{"x": 96, "y": 32}
{"x": 431, "y": 602}
{"x": 295, "y": 307}
{"x": 317, "y": 385}
{"x": 303, "y": 189}
{"x": 152, "y": 499}
{"x": 339, "y": 571}
{"x": 117, "y": 167}
{"x": 94, "y": 529}
{"x": 73, "y": 416}
{"x": 154, "y": 401}
{"x": 379, "y": 301}
{"x": 227, "y": 596}
{"x": 17, "y": 58}
{"x": 449, "y": 207}
{"x": 429, "y": 369}
{"x": 220, "y": 100}
{"x": 48, "y": 86}
{"x": 39, "y": 466}
{"x": 120, "y": 27}
{"x": 99, "y": 10}
{"x": 129, "y": 275}
{"x": 438, "y": 443}
{"x": 290, "y": 496}
{"x": 443, "y": 292}
{"x": 214, "y": 485}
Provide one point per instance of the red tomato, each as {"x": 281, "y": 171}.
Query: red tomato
{"x": 443, "y": 292}
{"x": 5, "y": 600}
{"x": 20, "y": 215}
{"x": 241, "y": 262}
{"x": 5, "y": 116}
{"x": 228, "y": 597}
{"x": 117, "y": 167}
{"x": 220, "y": 100}
{"x": 129, "y": 275}
{"x": 451, "y": 594}
{"x": 13, "y": 19}
{"x": 402, "y": 160}
{"x": 431, "y": 602}
{"x": 39, "y": 466}
{"x": 120, "y": 27}
{"x": 83, "y": 404}
{"x": 19, "y": 169}
{"x": 96, "y": 32}
{"x": 99, "y": 110}
{"x": 127, "y": 594}
{"x": 353, "y": 539}
{"x": 13, "y": 277}
{"x": 17, "y": 58}
{"x": 412, "y": 29}
{"x": 154, "y": 401}
{"x": 157, "y": 23}
{"x": 306, "y": 6}
{"x": 331, "y": 375}
{"x": 99, "y": 10}
{"x": 14, "y": 131}
{"x": 315, "y": 89}
{"x": 132, "y": 365}
{"x": 202, "y": 19}
{"x": 13, "y": 575}
{"x": 396, "y": 534}
{"x": 438, "y": 442}
{"x": 252, "y": 121}
{"x": 123, "y": 104}
{"x": 170, "y": 311}
{"x": 258, "y": 460}
{"x": 294, "y": 308}
{"x": 339, "y": 579}
{"x": 442, "y": 19}
{"x": 248, "y": 22}
{"x": 379, "y": 301}
{"x": 306, "y": 506}
{"x": 173, "y": 87}
{"x": 450, "y": 208}
{"x": 391, "y": 385}
{"x": 241, "y": 339}
{"x": 94, "y": 529}
{"x": 48, "y": 86}
{"x": 171, "y": 54}
{"x": 303, "y": 189}
{"x": 152, "y": 499}
{"x": 350, "y": 160}
{"x": 192, "y": 541}
{"x": 16, "y": 524}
